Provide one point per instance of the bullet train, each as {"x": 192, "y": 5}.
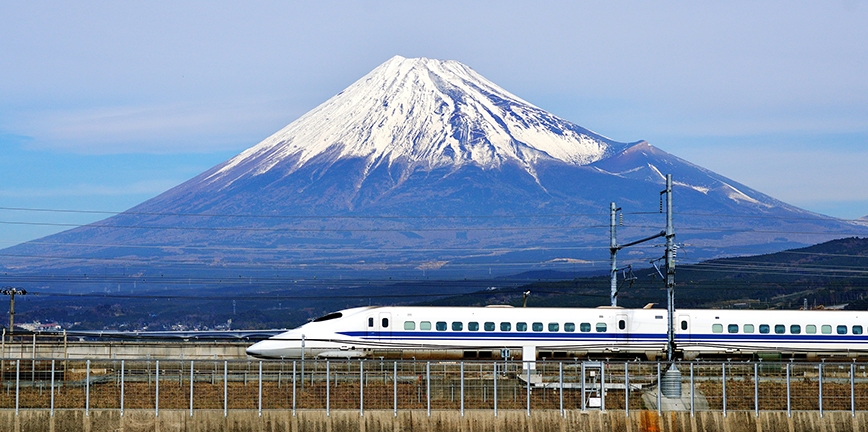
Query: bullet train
{"x": 553, "y": 333}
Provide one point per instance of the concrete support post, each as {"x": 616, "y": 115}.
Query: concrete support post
{"x": 226, "y": 387}
{"x": 692, "y": 393}
{"x": 361, "y": 388}
{"x": 395, "y": 387}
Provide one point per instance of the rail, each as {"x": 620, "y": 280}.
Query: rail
{"x": 381, "y": 384}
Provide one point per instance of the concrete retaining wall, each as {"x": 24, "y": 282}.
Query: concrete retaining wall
{"x": 440, "y": 421}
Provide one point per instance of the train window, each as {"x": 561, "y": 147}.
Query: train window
{"x": 425, "y": 325}
{"x": 440, "y": 326}
{"x": 385, "y": 322}
{"x": 764, "y": 328}
{"x": 857, "y": 329}
{"x": 684, "y": 325}
{"x": 601, "y": 327}
{"x": 826, "y": 329}
{"x": 553, "y": 327}
{"x": 842, "y": 329}
{"x": 717, "y": 328}
{"x": 585, "y": 327}
{"x": 457, "y": 326}
{"x": 780, "y": 329}
{"x": 622, "y": 324}
{"x": 810, "y": 329}
{"x": 732, "y": 328}
{"x": 537, "y": 326}
{"x": 473, "y": 326}
{"x": 370, "y": 322}
{"x": 409, "y": 325}
{"x": 795, "y": 329}
{"x": 522, "y": 326}
{"x": 489, "y": 326}
{"x": 505, "y": 326}
{"x": 748, "y": 328}
{"x": 330, "y": 316}
{"x": 569, "y": 327}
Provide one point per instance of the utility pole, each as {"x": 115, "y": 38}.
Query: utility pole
{"x": 11, "y": 292}
{"x": 670, "y": 269}
{"x": 613, "y": 249}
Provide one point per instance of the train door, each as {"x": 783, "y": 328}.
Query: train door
{"x": 682, "y": 328}
{"x": 371, "y": 326}
{"x": 622, "y": 326}
{"x": 385, "y": 325}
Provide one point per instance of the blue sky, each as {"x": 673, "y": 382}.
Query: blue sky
{"x": 106, "y": 104}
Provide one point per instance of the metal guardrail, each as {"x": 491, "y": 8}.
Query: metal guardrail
{"x": 63, "y": 384}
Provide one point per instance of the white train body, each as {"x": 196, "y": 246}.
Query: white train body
{"x": 485, "y": 332}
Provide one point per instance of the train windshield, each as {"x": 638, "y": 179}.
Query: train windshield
{"x": 330, "y": 316}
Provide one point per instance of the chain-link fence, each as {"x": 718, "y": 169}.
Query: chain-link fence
{"x": 431, "y": 385}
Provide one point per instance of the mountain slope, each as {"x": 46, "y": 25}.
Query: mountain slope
{"x": 424, "y": 165}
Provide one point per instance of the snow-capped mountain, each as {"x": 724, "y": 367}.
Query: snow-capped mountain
{"x": 422, "y": 114}
{"x": 424, "y": 164}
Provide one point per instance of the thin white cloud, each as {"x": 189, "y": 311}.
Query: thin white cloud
{"x": 145, "y": 187}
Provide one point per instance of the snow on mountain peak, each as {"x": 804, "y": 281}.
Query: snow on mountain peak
{"x": 423, "y": 113}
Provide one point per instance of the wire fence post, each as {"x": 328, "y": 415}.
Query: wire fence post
{"x": 157, "y": 391}
{"x": 723, "y": 384}
{"x": 293, "y": 388}
{"x": 820, "y": 379}
{"x": 428, "y": 386}
{"x": 260, "y": 389}
{"x": 87, "y": 389}
{"x": 17, "y": 384}
{"x": 328, "y": 388}
{"x": 626, "y": 389}
{"x": 527, "y": 365}
{"x": 225, "y": 388}
{"x": 361, "y": 388}
{"x": 692, "y": 393}
{"x": 756, "y": 388}
{"x": 495, "y": 387}
{"x": 561, "y": 387}
{"x": 603, "y": 386}
{"x": 52, "y": 388}
{"x": 461, "y": 392}
{"x": 122, "y": 388}
{"x": 853, "y": 388}
{"x": 789, "y": 405}
{"x": 582, "y": 385}
{"x": 191, "y": 388}
{"x": 395, "y": 387}
{"x": 659, "y": 390}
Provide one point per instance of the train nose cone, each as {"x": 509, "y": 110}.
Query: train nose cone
{"x": 259, "y": 349}
{"x": 274, "y": 349}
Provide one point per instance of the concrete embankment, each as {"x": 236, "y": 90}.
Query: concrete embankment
{"x": 418, "y": 421}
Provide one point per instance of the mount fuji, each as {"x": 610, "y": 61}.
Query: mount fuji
{"x": 424, "y": 165}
